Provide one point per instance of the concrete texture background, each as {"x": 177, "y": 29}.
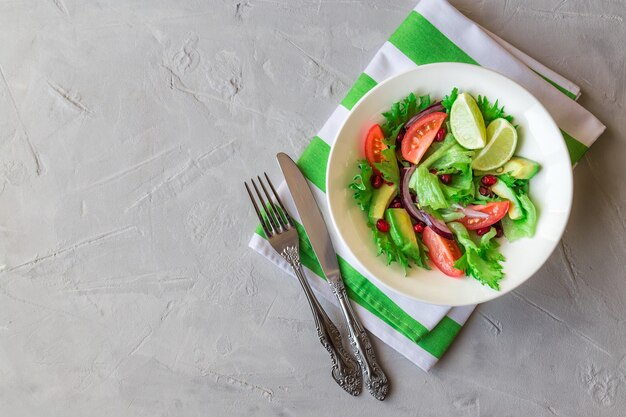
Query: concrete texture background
{"x": 127, "y": 289}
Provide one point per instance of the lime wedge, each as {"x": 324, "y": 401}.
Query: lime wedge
{"x": 467, "y": 123}
{"x": 501, "y": 144}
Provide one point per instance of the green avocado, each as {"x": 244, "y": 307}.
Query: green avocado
{"x": 401, "y": 231}
{"x": 381, "y": 198}
{"x": 517, "y": 167}
{"x": 504, "y": 191}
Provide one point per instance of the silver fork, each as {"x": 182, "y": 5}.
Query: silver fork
{"x": 283, "y": 236}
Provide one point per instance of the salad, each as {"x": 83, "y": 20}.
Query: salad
{"x": 441, "y": 183}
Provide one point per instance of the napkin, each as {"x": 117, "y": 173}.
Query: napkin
{"x": 433, "y": 32}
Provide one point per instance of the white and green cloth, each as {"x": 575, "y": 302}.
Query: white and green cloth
{"x": 433, "y": 32}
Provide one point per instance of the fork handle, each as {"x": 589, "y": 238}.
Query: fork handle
{"x": 374, "y": 378}
{"x": 345, "y": 370}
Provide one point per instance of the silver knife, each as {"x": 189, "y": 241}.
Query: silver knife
{"x": 374, "y": 378}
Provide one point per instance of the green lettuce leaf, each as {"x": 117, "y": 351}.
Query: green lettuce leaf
{"x": 416, "y": 255}
{"x": 481, "y": 261}
{"x": 438, "y": 150}
{"x": 449, "y": 99}
{"x": 518, "y": 185}
{"x": 401, "y": 112}
{"x": 524, "y": 227}
{"x": 389, "y": 166}
{"x": 422, "y": 262}
{"x": 447, "y": 157}
{"x": 428, "y": 189}
{"x": 362, "y": 185}
{"x": 491, "y": 111}
{"x": 390, "y": 140}
{"x": 450, "y": 215}
{"x": 387, "y": 247}
{"x": 455, "y": 159}
{"x": 457, "y": 162}
{"x": 461, "y": 188}
{"x": 478, "y": 197}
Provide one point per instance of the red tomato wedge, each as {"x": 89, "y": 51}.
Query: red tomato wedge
{"x": 495, "y": 210}
{"x": 420, "y": 135}
{"x": 443, "y": 252}
{"x": 374, "y": 145}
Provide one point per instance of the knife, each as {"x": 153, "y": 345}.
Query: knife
{"x": 374, "y": 378}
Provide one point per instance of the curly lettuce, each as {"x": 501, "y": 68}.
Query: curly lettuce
{"x": 402, "y": 111}
{"x": 481, "y": 261}
{"x": 362, "y": 185}
{"x": 388, "y": 167}
{"x": 457, "y": 162}
{"x": 449, "y": 100}
{"x": 447, "y": 157}
{"x": 387, "y": 247}
{"x": 403, "y": 256}
{"x": 492, "y": 111}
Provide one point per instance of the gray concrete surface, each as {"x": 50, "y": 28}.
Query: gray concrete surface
{"x": 126, "y": 128}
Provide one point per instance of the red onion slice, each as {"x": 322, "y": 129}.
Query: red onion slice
{"x": 469, "y": 212}
{"x": 428, "y": 110}
{"x": 406, "y": 197}
{"x": 437, "y": 225}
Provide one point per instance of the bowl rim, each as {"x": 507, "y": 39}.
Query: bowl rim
{"x": 567, "y": 182}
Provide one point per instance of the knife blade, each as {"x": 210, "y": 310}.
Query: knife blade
{"x": 374, "y": 378}
{"x": 311, "y": 217}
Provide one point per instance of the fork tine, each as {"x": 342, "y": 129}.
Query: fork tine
{"x": 275, "y": 210}
{"x": 268, "y": 213}
{"x": 267, "y": 231}
{"x": 280, "y": 203}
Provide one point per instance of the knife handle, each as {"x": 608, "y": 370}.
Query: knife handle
{"x": 345, "y": 370}
{"x": 374, "y": 378}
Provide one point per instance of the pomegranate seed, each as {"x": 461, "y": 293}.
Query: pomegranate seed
{"x": 489, "y": 180}
{"x": 400, "y": 135}
{"x": 419, "y": 227}
{"x": 382, "y": 225}
{"x": 445, "y": 178}
{"x": 396, "y": 203}
{"x": 483, "y": 230}
{"x": 441, "y": 135}
{"x": 377, "y": 181}
{"x": 433, "y": 171}
{"x": 499, "y": 229}
{"x": 484, "y": 191}
{"x": 388, "y": 182}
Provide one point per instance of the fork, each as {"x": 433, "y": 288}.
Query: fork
{"x": 283, "y": 236}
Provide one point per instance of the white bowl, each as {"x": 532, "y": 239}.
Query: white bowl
{"x": 539, "y": 139}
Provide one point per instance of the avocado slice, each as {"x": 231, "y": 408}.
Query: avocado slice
{"x": 521, "y": 168}
{"x": 517, "y": 167}
{"x": 504, "y": 191}
{"x": 401, "y": 231}
{"x": 381, "y": 198}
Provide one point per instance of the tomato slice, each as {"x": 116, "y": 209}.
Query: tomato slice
{"x": 374, "y": 145}
{"x": 495, "y": 210}
{"x": 420, "y": 135}
{"x": 443, "y": 252}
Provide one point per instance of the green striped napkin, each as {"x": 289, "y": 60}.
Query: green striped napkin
{"x": 433, "y": 32}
